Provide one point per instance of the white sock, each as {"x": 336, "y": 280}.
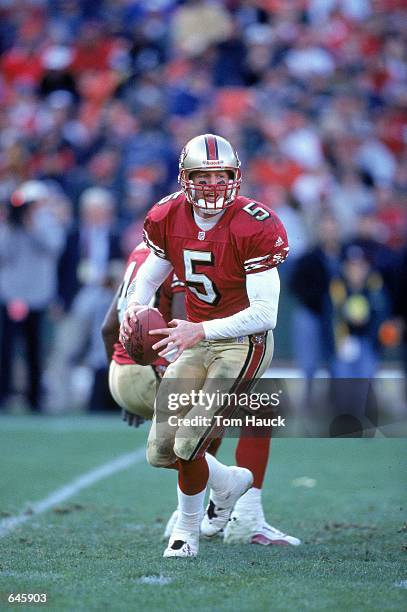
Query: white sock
{"x": 219, "y": 475}
{"x": 190, "y": 511}
{"x": 250, "y": 502}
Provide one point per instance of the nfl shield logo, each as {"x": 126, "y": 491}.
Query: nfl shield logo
{"x": 201, "y": 235}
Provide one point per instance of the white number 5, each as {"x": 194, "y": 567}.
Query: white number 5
{"x": 258, "y": 212}
{"x": 200, "y": 284}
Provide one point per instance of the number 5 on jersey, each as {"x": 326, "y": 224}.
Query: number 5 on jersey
{"x": 200, "y": 284}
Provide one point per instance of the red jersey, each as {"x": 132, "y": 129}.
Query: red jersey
{"x": 213, "y": 264}
{"x": 170, "y": 286}
{"x": 163, "y": 299}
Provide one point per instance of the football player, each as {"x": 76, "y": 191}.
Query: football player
{"x": 134, "y": 388}
{"x": 225, "y": 248}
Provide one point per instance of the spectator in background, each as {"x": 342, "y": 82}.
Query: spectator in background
{"x": 370, "y": 236}
{"x": 376, "y": 159}
{"x": 57, "y": 76}
{"x": 302, "y": 143}
{"x": 312, "y": 273}
{"x": 292, "y": 217}
{"x": 78, "y": 352}
{"x": 391, "y": 216}
{"x": 88, "y": 312}
{"x": 138, "y": 200}
{"x": 306, "y": 58}
{"x": 350, "y": 199}
{"x": 84, "y": 278}
{"x": 360, "y": 306}
{"x": 31, "y": 240}
{"x": 90, "y": 245}
{"x": 198, "y": 25}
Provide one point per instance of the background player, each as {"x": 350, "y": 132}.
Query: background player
{"x": 134, "y": 386}
{"x": 225, "y": 248}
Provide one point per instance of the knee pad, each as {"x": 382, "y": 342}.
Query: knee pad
{"x": 159, "y": 454}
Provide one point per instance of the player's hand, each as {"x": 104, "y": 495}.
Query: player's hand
{"x": 133, "y": 420}
{"x": 129, "y": 315}
{"x": 180, "y": 335}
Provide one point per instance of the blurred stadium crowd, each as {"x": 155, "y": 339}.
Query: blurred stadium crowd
{"x": 97, "y": 99}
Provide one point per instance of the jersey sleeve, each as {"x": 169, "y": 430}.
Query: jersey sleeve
{"x": 134, "y": 261}
{"x": 265, "y": 246}
{"x": 154, "y": 232}
{"x": 169, "y": 288}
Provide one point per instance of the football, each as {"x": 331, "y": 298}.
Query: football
{"x": 139, "y": 345}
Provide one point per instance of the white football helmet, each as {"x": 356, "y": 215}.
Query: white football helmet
{"x": 204, "y": 153}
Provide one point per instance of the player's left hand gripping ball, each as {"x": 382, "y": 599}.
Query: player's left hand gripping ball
{"x": 126, "y": 326}
{"x": 139, "y": 343}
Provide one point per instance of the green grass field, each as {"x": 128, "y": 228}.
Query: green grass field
{"x": 101, "y": 548}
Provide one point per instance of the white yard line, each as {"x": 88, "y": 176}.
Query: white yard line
{"x": 82, "y": 482}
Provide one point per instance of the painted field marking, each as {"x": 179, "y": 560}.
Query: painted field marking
{"x": 82, "y": 482}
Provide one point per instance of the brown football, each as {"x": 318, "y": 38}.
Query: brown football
{"x": 139, "y": 345}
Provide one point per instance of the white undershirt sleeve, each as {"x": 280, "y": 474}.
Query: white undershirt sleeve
{"x": 150, "y": 276}
{"x": 263, "y": 291}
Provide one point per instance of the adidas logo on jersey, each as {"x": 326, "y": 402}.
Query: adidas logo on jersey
{"x": 279, "y": 242}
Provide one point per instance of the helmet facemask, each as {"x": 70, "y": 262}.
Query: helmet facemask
{"x": 210, "y": 198}
{"x": 209, "y": 153}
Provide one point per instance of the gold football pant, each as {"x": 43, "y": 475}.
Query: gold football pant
{"x": 215, "y": 367}
{"x": 133, "y": 387}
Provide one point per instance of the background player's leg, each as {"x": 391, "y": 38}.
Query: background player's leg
{"x": 252, "y": 452}
{"x": 248, "y": 523}
{"x": 214, "y": 446}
